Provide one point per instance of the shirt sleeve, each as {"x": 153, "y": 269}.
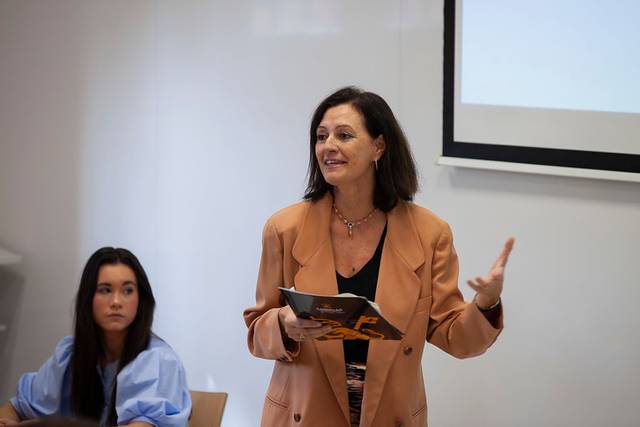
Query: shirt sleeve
{"x": 153, "y": 389}
{"x": 43, "y": 393}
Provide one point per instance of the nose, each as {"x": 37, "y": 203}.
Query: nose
{"x": 116, "y": 300}
{"x": 330, "y": 143}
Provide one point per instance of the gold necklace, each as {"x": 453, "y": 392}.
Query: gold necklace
{"x": 351, "y": 224}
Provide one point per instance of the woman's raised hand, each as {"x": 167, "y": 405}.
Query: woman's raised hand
{"x": 489, "y": 287}
{"x": 300, "y": 329}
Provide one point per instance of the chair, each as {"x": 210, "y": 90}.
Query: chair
{"x": 207, "y": 408}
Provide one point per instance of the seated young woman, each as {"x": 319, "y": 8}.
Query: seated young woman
{"x": 113, "y": 369}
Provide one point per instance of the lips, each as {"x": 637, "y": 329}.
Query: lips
{"x": 115, "y": 316}
{"x": 333, "y": 162}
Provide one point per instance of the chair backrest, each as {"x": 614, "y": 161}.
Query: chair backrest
{"x": 207, "y": 408}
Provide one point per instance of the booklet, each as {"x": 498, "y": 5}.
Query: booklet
{"x": 350, "y": 316}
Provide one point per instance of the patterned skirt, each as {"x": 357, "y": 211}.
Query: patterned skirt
{"x": 355, "y": 388}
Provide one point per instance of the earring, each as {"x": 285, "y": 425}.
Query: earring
{"x": 375, "y": 163}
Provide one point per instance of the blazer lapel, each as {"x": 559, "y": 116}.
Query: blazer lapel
{"x": 317, "y": 274}
{"x": 397, "y": 292}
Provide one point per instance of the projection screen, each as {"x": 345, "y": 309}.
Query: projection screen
{"x": 543, "y": 86}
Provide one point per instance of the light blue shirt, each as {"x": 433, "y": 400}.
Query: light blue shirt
{"x": 152, "y": 388}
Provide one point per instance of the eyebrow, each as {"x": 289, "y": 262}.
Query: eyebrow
{"x": 340, "y": 126}
{"x": 128, "y": 282}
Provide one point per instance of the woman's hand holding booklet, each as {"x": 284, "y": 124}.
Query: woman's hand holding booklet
{"x": 349, "y": 316}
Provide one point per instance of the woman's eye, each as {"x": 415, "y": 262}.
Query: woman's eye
{"x": 321, "y": 137}
{"x": 128, "y": 291}
{"x": 104, "y": 290}
{"x": 345, "y": 135}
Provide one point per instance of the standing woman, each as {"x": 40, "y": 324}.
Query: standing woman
{"x": 113, "y": 369}
{"x": 358, "y": 231}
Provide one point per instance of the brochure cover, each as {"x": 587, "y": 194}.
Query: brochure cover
{"x": 350, "y": 316}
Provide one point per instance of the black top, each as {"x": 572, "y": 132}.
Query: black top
{"x": 363, "y": 283}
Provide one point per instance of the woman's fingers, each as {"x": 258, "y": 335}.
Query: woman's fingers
{"x": 299, "y": 323}
{"x": 479, "y": 286}
{"x": 482, "y": 282}
{"x": 473, "y": 285}
{"x": 309, "y": 334}
{"x": 301, "y": 329}
{"x": 490, "y": 286}
{"x": 504, "y": 255}
{"x": 479, "y": 283}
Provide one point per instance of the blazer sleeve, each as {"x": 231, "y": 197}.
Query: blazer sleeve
{"x": 265, "y": 338}
{"x": 456, "y": 327}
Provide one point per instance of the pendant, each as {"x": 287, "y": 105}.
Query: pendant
{"x": 350, "y": 228}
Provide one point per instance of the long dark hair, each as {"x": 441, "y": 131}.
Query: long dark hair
{"x": 396, "y": 176}
{"x": 87, "y": 395}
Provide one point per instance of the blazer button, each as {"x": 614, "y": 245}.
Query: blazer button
{"x": 297, "y": 417}
{"x": 407, "y": 350}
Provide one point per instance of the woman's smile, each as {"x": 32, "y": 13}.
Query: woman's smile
{"x": 333, "y": 163}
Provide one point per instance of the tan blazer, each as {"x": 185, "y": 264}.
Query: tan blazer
{"x": 417, "y": 292}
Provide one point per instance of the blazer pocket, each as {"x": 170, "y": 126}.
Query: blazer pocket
{"x": 273, "y": 402}
{"x": 423, "y": 305}
{"x": 275, "y": 413}
{"x": 420, "y": 410}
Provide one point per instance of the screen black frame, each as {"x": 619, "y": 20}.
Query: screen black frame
{"x": 597, "y": 160}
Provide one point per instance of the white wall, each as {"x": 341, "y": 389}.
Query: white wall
{"x": 176, "y": 128}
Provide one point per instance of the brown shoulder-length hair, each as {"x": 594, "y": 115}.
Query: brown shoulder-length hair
{"x": 396, "y": 175}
